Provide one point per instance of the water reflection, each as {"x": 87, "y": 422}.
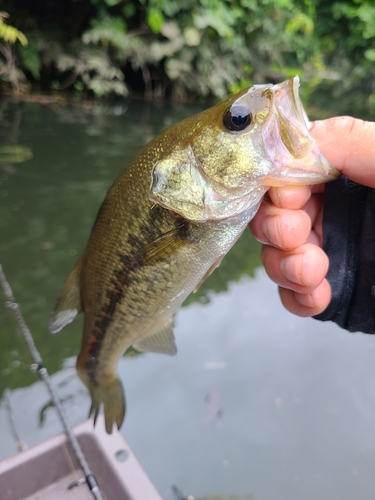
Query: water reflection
{"x": 66, "y": 159}
{"x": 289, "y": 402}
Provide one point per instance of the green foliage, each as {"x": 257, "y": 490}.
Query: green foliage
{"x": 184, "y": 48}
{"x": 155, "y": 20}
{"x": 300, "y": 23}
{"x": 31, "y": 59}
{"x": 107, "y": 30}
{"x": 111, "y": 3}
{"x": 14, "y": 154}
{"x": 95, "y": 71}
{"x": 11, "y": 34}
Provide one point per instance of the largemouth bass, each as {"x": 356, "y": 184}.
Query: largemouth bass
{"x": 170, "y": 218}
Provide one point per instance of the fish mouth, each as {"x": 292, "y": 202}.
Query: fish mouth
{"x": 301, "y": 161}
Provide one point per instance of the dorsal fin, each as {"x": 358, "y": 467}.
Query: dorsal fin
{"x": 161, "y": 341}
{"x": 68, "y": 304}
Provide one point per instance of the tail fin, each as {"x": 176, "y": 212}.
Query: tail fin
{"x": 112, "y": 397}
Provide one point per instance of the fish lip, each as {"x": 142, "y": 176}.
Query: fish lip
{"x": 290, "y": 88}
{"x": 299, "y": 109}
{"x": 291, "y": 115}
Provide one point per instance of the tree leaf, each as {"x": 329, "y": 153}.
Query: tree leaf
{"x": 155, "y": 19}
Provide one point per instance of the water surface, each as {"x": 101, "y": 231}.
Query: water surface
{"x": 256, "y": 401}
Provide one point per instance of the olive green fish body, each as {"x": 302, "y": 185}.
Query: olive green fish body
{"x": 136, "y": 272}
{"x": 170, "y": 218}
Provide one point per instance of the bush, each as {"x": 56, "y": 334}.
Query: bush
{"x": 185, "y": 48}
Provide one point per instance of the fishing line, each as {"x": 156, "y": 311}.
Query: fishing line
{"x": 43, "y": 374}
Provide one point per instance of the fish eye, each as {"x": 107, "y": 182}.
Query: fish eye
{"x": 237, "y": 117}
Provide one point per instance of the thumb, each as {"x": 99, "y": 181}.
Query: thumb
{"x": 349, "y": 145}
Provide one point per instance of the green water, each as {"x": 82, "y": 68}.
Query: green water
{"x": 257, "y": 401}
{"x": 49, "y": 203}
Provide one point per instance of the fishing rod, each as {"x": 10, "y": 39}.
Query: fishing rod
{"x": 43, "y": 374}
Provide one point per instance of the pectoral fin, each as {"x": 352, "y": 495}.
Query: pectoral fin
{"x": 162, "y": 248}
{"x": 68, "y": 304}
{"x": 161, "y": 341}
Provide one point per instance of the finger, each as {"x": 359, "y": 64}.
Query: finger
{"x": 301, "y": 270}
{"x": 314, "y": 209}
{"x": 307, "y": 304}
{"x": 283, "y": 228}
{"x": 292, "y": 197}
{"x": 348, "y": 144}
{"x": 317, "y": 188}
{"x": 288, "y": 229}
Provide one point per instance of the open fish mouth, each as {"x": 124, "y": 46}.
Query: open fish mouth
{"x": 288, "y": 141}
{"x": 291, "y": 107}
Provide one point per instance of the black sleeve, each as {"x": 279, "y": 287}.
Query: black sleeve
{"x": 349, "y": 241}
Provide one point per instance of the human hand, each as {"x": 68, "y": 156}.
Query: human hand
{"x": 289, "y": 221}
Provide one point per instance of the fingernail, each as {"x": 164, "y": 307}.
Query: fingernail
{"x": 271, "y": 229}
{"x": 291, "y": 268}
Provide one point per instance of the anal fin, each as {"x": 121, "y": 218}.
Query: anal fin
{"x": 68, "y": 304}
{"x": 161, "y": 341}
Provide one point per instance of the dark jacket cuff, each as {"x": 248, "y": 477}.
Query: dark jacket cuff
{"x": 349, "y": 242}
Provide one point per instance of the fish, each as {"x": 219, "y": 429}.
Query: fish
{"x": 170, "y": 218}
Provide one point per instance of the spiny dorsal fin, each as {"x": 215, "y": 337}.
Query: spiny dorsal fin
{"x": 161, "y": 341}
{"x": 68, "y": 304}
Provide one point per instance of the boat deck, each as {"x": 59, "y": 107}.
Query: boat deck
{"x": 50, "y": 470}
